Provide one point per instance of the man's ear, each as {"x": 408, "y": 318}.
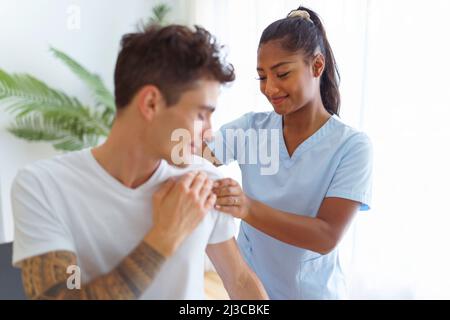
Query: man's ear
{"x": 318, "y": 65}
{"x": 149, "y": 99}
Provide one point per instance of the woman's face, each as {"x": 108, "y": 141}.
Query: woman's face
{"x": 288, "y": 82}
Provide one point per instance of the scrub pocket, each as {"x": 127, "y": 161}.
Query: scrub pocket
{"x": 321, "y": 278}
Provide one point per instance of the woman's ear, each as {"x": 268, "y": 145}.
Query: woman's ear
{"x": 318, "y": 65}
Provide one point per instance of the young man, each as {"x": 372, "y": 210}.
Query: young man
{"x": 135, "y": 221}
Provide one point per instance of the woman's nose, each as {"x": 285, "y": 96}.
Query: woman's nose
{"x": 270, "y": 88}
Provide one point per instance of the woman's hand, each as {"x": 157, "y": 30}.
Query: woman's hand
{"x": 231, "y": 199}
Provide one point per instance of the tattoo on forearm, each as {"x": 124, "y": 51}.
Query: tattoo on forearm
{"x": 45, "y": 277}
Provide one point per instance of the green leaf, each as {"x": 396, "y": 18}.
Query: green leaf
{"x": 160, "y": 12}
{"x": 36, "y": 128}
{"x": 37, "y": 105}
{"x": 16, "y": 89}
{"x": 102, "y": 95}
{"x": 158, "y": 16}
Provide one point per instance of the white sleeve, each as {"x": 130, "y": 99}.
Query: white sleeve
{"x": 37, "y": 229}
{"x": 224, "y": 228}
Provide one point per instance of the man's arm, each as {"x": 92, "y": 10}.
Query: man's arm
{"x": 178, "y": 208}
{"x": 239, "y": 280}
{"x": 45, "y": 276}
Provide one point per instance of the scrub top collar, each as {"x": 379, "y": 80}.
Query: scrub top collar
{"x": 315, "y": 138}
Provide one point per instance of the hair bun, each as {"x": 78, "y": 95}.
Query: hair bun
{"x": 300, "y": 14}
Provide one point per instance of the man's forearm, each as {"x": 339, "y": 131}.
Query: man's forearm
{"x": 239, "y": 279}
{"x": 248, "y": 287}
{"x": 45, "y": 276}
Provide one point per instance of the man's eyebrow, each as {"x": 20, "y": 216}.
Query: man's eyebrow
{"x": 208, "y": 108}
{"x": 276, "y": 66}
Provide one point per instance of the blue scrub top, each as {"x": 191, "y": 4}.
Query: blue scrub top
{"x": 336, "y": 161}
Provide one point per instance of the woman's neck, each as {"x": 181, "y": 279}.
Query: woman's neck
{"x": 303, "y": 123}
{"x": 306, "y": 120}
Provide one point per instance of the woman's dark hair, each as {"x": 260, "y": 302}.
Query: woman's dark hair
{"x": 172, "y": 58}
{"x": 299, "y": 34}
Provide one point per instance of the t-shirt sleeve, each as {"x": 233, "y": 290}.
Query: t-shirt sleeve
{"x": 37, "y": 229}
{"x": 224, "y": 228}
{"x": 223, "y": 224}
{"x": 353, "y": 177}
{"x": 226, "y": 141}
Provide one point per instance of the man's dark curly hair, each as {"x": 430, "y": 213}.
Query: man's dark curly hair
{"x": 172, "y": 58}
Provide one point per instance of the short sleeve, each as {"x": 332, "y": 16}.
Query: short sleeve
{"x": 224, "y": 228}
{"x": 37, "y": 230}
{"x": 225, "y": 144}
{"x": 353, "y": 177}
{"x": 223, "y": 223}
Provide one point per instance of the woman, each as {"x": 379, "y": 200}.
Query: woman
{"x": 293, "y": 219}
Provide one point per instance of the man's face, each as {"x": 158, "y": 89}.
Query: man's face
{"x": 180, "y": 128}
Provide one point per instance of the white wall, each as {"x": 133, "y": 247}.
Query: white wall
{"x": 29, "y": 27}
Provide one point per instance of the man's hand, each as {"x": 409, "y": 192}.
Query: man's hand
{"x": 178, "y": 208}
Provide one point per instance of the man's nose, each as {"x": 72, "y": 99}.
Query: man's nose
{"x": 207, "y": 131}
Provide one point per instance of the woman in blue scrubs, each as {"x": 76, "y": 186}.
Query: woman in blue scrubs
{"x": 295, "y": 212}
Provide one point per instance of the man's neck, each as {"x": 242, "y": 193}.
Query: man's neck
{"x": 124, "y": 158}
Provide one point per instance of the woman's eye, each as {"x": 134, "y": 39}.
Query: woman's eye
{"x": 282, "y": 75}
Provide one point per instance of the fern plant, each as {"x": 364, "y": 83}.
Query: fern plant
{"x": 158, "y": 16}
{"x": 43, "y": 113}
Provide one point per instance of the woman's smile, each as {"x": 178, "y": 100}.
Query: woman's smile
{"x": 276, "y": 101}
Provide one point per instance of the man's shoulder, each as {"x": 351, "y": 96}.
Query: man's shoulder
{"x": 199, "y": 164}
{"x": 202, "y": 164}
{"x": 56, "y": 166}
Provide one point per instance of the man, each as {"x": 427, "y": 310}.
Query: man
{"x": 134, "y": 220}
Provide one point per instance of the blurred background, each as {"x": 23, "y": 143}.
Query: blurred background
{"x": 393, "y": 60}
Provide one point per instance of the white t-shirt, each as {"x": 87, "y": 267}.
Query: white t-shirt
{"x": 71, "y": 203}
